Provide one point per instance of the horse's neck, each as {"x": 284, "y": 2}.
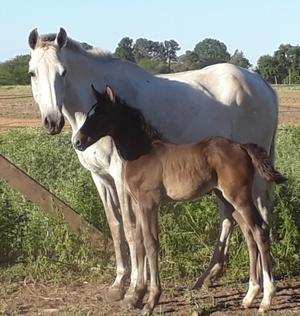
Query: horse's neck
{"x": 131, "y": 145}
{"x": 86, "y": 70}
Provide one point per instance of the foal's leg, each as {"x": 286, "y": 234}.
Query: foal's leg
{"x": 109, "y": 199}
{"x": 216, "y": 265}
{"x": 136, "y": 296}
{"x": 149, "y": 220}
{"x": 262, "y": 194}
{"x": 254, "y": 286}
{"x": 250, "y": 214}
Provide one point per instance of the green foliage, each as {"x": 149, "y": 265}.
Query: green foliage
{"x": 124, "y": 49}
{"x": 283, "y": 67}
{"x": 189, "y": 231}
{"x": 15, "y": 71}
{"x": 187, "y": 61}
{"x": 28, "y": 234}
{"x": 239, "y": 59}
{"x": 211, "y": 51}
{"x": 153, "y": 66}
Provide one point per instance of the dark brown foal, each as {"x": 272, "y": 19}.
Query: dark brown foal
{"x": 156, "y": 171}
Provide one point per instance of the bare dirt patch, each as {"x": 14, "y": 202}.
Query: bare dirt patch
{"x": 18, "y": 109}
{"x": 89, "y": 299}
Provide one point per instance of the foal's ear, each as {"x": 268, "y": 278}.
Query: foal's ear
{"x": 61, "y": 38}
{"x": 33, "y": 38}
{"x": 110, "y": 93}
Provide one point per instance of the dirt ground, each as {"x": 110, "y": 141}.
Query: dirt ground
{"x": 17, "y": 108}
{"x": 89, "y": 299}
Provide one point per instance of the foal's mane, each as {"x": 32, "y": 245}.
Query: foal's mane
{"x": 137, "y": 121}
{"x": 48, "y": 40}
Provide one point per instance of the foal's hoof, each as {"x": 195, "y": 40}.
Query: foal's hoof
{"x": 263, "y": 308}
{"x": 134, "y": 299}
{"x": 148, "y": 309}
{"x": 202, "y": 282}
{"x": 115, "y": 293}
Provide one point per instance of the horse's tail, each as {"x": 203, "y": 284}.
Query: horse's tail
{"x": 262, "y": 161}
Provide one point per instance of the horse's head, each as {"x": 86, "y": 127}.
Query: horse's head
{"x": 47, "y": 71}
{"x": 99, "y": 120}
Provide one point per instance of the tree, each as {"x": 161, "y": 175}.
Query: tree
{"x": 211, "y": 51}
{"x": 144, "y": 48}
{"x": 15, "y": 71}
{"x": 187, "y": 61}
{"x": 170, "y": 48}
{"x": 124, "y": 49}
{"x": 267, "y": 67}
{"x": 153, "y": 65}
{"x": 238, "y": 58}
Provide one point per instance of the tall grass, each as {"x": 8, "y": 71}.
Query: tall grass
{"x": 189, "y": 231}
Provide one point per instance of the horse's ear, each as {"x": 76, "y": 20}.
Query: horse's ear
{"x": 33, "y": 38}
{"x": 95, "y": 92}
{"x": 110, "y": 93}
{"x": 61, "y": 38}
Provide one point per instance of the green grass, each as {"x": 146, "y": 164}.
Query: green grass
{"x": 36, "y": 244}
{"x": 15, "y": 89}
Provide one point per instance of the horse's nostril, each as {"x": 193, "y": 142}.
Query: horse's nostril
{"x": 77, "y": 142}
{"x": 46, "y": 122}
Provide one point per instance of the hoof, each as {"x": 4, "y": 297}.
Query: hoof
{"x": 246, "y": 304}
{"x": 134, "y": 300}
{"x": 115, "y": 294}
{"x": 148, "y": 309}
{"x": 202, "y": 282}
{"x": 263, "y": 309}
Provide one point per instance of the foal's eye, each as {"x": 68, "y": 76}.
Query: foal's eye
{"x": 64, "y": 72}
{"x": 31, "y": 73}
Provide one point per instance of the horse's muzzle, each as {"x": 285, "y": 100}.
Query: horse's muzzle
{"x": 80, "y": 141}
{"x": 53, "y": 126}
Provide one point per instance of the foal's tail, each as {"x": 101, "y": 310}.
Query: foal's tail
{"x": 263, "y": 163}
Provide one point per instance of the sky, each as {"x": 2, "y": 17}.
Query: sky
{"x": 256, "y": 27}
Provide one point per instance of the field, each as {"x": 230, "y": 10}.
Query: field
{"x": 19, "y": 110}
{"x": 46, "y": 270}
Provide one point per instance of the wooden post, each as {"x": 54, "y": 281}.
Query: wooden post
{"x": 50, "y": 203}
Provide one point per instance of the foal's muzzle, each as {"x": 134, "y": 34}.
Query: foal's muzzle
{"x": 81, "y": 141}
{"x": 54, "y": 126}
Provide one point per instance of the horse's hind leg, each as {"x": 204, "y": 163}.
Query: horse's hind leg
{"x": 254, "y": 286}
{"x": 216, "y": 266}
{"x": 250, "y": 214}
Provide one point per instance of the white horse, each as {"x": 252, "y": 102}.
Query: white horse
{"x": 220, "y": 100}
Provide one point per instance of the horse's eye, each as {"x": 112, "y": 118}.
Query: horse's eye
{"x": 31, "y": 73}
{"x": 64, "y": 72}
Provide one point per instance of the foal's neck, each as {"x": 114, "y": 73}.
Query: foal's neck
{"x": 132, "y": 144}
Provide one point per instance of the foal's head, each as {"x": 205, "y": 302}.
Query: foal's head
{"x": 111, "y": 116}
{"x": 99, "y": 119}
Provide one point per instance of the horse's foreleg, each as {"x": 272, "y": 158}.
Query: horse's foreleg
{"x": 109, "y": 199}
{"x": 129, "y": 222}
{"x": 216, "y": 265}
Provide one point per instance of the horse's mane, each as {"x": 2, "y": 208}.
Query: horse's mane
{"x": 48, "y": 39}
{"x": 137, "y": 120}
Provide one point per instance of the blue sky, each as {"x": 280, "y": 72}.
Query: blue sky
{"x": 256, "y": 27}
